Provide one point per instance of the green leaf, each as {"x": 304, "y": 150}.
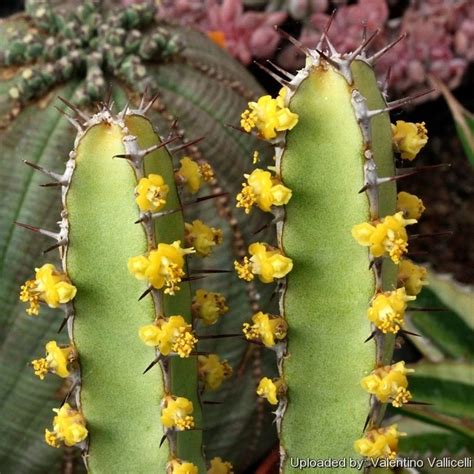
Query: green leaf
{"x": 449, "y": 389}
{"x": 464, "y": 120}
{"x": 458, "y": 297}
{"x": 422, "y": 438}
{"x": 445, "y": 331}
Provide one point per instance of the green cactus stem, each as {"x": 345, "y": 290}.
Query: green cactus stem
{"x": 340, "y": 307}
{"x": 100, "y": 230}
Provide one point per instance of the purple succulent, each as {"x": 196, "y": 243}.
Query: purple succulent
{"x": 440, "y": 39}
{"x": 440, "y": 33}
{"x": 246, "y": 35}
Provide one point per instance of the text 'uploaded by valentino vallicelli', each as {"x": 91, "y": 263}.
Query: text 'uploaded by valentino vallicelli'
{"x": 359, "y": 464}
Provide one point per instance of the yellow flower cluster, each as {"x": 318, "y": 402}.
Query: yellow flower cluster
{"x": 192, "y": 174}
{"x": 151, "y": 193}
{"x": 267, "y": 262}
{"x": 270, "y": 389}
{"x": 412, "y": 277}
{"x": 163, "y": 267}
{"x": 218, "y": 466}
{"x": 213, "y": 371}
{"x": 208, "y": 306}
{"x": 388, "y": 235}
{"x": 264, "y": 190}
{"x": 171, "y": 335}
{"x": 411, "y": 205}
{"x": 379, "y": 443}
{"x": 177, "y": 413}
{"x": 68, "y": 427}
{"x": 51, "y": 286}
{"x": 56, "y": 360}
{"x": 387, "y": 310}
{"x": 206, "y": 171}
{"x": 269, "y": 116}
{"x": 176, "y": 466}
{"x": 409, "y": 138}
{"x": 265, "y": 328}
{"x": 202, "y": 237}
{"x": 389, "y": 384}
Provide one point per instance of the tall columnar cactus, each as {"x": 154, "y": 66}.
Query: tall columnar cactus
{"x": 103, "y": 226}
{"x": 341, "y": 301}
{"x": 94, "y": 241}
{"x": 201, "y": 89}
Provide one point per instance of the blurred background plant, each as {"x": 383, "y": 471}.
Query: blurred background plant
{"x": 439, "y": 42}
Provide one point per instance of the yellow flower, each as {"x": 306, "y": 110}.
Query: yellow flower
{"x": 389, "y": 384}
{"x": 265, "y": 328}
{"x": 137, "y": 266}
{"x": 270, "y": 389}
{"x": 176, "y": 466}
{"x": 269, "y": 116}
{"x": 56, "y": 361}
{"x": 163, "y": 267}
{"x": 177, "y": 413}
{"x": 411, "y": 205}
{"x": 212, "y": 371}
{"x": 409, "y": 138}
{"x": 151, "y": 193}
{"x": 244, "y": 270}
{"x": 40, "y": 367}
{"x": 171, "y": 335}
{"x": 248, "y": 120}
{"x": 68, "y": 427}
{"x": 264, "y": 190}
{"x": 29, "y": 295}
{"x": 412, "y": 277}
{"x": 218, "y": 466}
{"x": 206, "y": 171}
{"x": 208, "y": 306}
{"x": 255, "y": 157}
{"x": 51, "y": 286}
{"x": 51, "y": 439}
{"x": 191, "y": 174}
{"x": 266, "y": 262}
{"x": 387, "y": 310}
{"x": 202, "y": 237}
{"x": 379, "y": 443}
{"x": 388, "y": 235}
{"x": 150, "y": 334}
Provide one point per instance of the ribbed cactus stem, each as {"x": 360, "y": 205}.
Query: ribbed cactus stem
{"x": 328, "y": 292}
{"x": 100, "y": 230}
{"x": 340, "y": 307}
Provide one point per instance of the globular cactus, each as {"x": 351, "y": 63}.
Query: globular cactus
{"x": 343, "y": 297}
